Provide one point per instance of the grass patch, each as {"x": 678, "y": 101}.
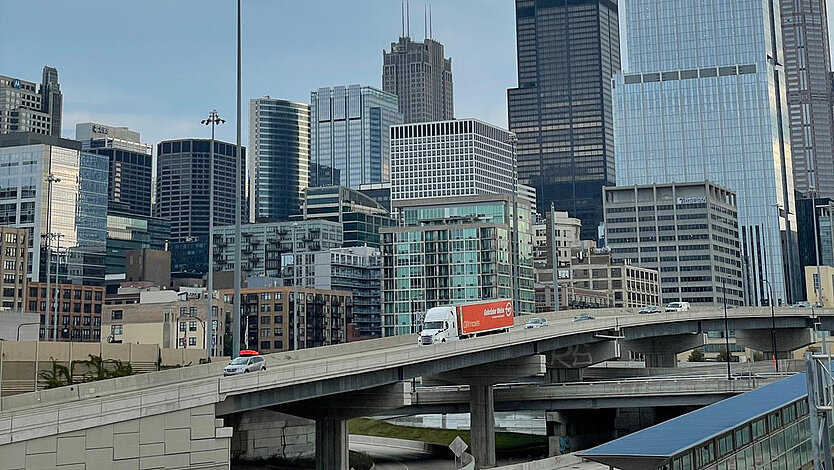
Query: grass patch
{"x": 504, "y": 441}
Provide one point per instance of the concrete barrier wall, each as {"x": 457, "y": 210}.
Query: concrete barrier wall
{"x": 265, "y": 433}
{"x": 184, "y": 439}
{"x": 550, "y": 463}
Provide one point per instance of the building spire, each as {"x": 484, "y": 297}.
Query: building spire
{"x": 402, "y": 14}
{"x": 425, "y": 23}
{"x": 431, "y": 36}
{"x": 407, "y": 19}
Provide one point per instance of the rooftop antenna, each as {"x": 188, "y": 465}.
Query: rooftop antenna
{"x": 407, "y": 19}
{"x": 402, "y": 12}
{"x": 425, "y": 23}
{"x": 431, "y": 36}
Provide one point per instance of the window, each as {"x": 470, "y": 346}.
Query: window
{"x": 115, "y": 329}
{"x": 279, "y": 345}
{"x": 264, "y": 332}
{"x": 192, "y": 311}
{"x": 192, "y": 326}
{"x": 192, "y": 341}
{"x": 265, "y": 344}
{"x": 265, "y": 320}
{"x": 182, "y": 326}
{"x": 183, "y": 311}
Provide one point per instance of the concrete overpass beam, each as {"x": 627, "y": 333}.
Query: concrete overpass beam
{"x": 661, "y": 351}
{"x": 787, "y": 340}
{"x": 567, "y": 364}
{"x": 493, "y": 373}
{"x": 482, "y": 420}
{"x": 332, "y": 443}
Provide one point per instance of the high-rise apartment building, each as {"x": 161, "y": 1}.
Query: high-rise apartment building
{"x": 182, "y": 185}
{"x": 561, "y": 109}
{"x": 465, "y": 157}
{"x": 451, "y": 250}
{"x": 421, "y": 78}
{"x": 702, "y": 101}
{"x": 808, "y": 78}
{"x": 349, "y": 133}
{"x": 361, "y": 217}
{"x": 131, "y": 165}
{"x": 27, "y": 107}
{"x": 279, "y": 141}
{"x": 76, "y": 212}
{"x": 688, "y": 232}
{"x": 14, "y": 251}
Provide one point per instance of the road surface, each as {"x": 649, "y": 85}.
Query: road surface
{"x": 399, "y": 458}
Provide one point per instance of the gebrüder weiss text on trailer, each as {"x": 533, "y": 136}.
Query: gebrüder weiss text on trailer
{"x": 460, "y": 321}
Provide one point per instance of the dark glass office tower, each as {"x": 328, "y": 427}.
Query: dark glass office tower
{"x": 568, "y": 51}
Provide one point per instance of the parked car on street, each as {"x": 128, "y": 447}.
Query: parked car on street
{"x": 536, "y": 323}
{"x": 244, "y": 364}
{"x": 649, "y": 309}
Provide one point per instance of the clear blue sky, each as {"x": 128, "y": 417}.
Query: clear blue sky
{"x": 159, "y": 66}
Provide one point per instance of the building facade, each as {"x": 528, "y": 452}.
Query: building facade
{"x": 14, "y": 256}
{"x": 76, "y": 213}
{"x": 267, "y": 248}
{"x": 451, "y": 158}
{"x": 561, "y": 110}
{"x": 127, "y": 232}
{"x": 816, "y": 243}
{"x": 568, "y": 230}
{"x": 808, "y": 78}
{"x": 270, "y": 317}
{"x": 27, "y": 107}
{"x": 350, "y": 140}
{"x": 361, "y": 217}
{"x": 182, "y": 185}
{"x": 131, "y": 165}
{"x": 279, "y": 141}
{"x": 173, "y": 320}
{"x": 702, "y": 102}
{"x": 79, "y": 310}
{"x": 686, "y": 231}
{"x": 455, "y": 250}
{"x": 419, "y": 75}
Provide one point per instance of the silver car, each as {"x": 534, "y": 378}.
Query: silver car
{"x": 244, "y": 364}
{"x": 536, "y": 323}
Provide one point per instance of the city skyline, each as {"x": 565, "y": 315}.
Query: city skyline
{"x": 155, "y": 82}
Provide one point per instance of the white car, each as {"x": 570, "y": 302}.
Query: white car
{"x": 677, "y": 307}
{"x": 536, "y": 323}
{"x": 244, "y": 364}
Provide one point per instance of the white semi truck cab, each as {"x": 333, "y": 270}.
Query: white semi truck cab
{"x": 439, "y": 326}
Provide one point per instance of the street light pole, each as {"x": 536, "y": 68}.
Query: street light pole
{"x": 238, "y": 307}
{"x": 48, "y": 236}
{"x": 818, "y": 285}
{"x": 57, "y": 270}
{"x": 726, "y": 326}
{"x": 212, "y": 120}
{"x": 772, "y": 325}
{"x": 554, "y": 258}
{"x": 295, "y": 267}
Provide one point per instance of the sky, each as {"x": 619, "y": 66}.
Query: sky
{"x": 160, "y": 66}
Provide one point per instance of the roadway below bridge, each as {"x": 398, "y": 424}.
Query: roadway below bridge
{"x": 333, "y": 384}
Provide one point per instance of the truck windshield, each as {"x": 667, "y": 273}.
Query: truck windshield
{"x": 433, "y": 325}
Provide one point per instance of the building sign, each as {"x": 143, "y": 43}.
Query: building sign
{"x": 98, "y": 129}
{"x": 692, "y": 200}
{"x": 16, "y": 83}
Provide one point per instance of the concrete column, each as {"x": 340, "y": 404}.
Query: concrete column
{"x": 661, "y": 359}
{"x": 332, "y": 443}
{"x": 556, "y": 429}
{"x": 482, "y": 424}
{"x": 561, "y": 375}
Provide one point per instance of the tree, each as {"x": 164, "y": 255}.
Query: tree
{"x": 58, "y": 376}
{"x": 697, "y": 355}
{"x": 722, "y": 356}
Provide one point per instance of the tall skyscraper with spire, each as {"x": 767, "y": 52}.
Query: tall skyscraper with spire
{"x": 808, "y": 78}
{"x": 25, "y": 107}
{"x": 420, "y": 76}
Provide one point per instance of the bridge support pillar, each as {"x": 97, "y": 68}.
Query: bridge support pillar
{"x": 331, "y": 443}
{"x": 482, "y": 421}
{"x": 662, "y": 351}
{"x": 568, "y": 364}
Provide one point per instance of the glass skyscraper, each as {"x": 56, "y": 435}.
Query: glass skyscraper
{"x": 561, "y": 110}
{"x": 703, "y": 98}
{"x": 279, "y": 139}
{"x": 350, "y": 138}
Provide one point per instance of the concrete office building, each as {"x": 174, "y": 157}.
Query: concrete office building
{"x": 815, "y": 243}
{"x": 189, "y": 258}
{"x": 182, "y": 185}
{"x": 466, "y": 157}
{"x": 356, "y": 270}
{"x": 379, "y": 192}
{"x": 148, "y": 265}
{"x": 129, "y": 184}
{"x": 268, "y": 247}
{"x": 361, "y": 216}
{"x": 702, "y": 102}
{"x": 561, "y": 110}
{"x": 77, "y": 211}
{"x": 421, "y": 78}
{"x": 269, "y": 317}
{"x": 808, "y": 78}
{"x": 27, "y": 107}
{"x": 79, "y": 310}
{"x": 14, "y": 255}
{"x": 170, "y": 319}
{"x": 686, "y": 231}
{"x": 455, "y": 250}
{"x": 350, "y": 138}
{"x": 568, "y": 231}
{"x": 127, "y": 232}
{"x": 279, "y": 142}
{"x": 591, "y": 278}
